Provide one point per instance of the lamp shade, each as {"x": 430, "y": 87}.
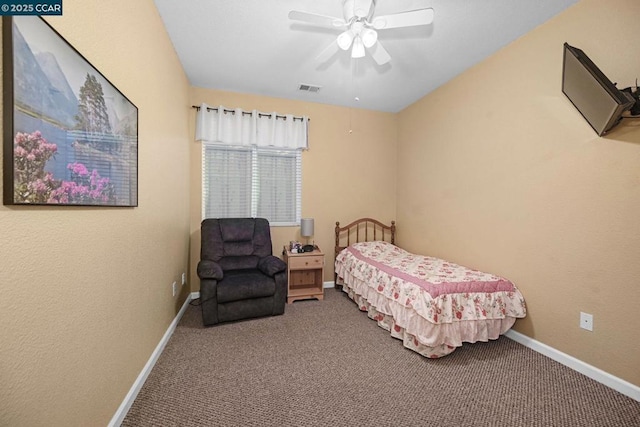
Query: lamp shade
{"x": 345, "y": 39}
{"x": 358, "y": 48}
{"x": 306, "y": 227}
{"x": 369, "y": 37}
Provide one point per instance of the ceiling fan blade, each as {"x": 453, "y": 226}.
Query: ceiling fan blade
{"x": 404, "y": 19}
{"x": 314, "y": 18}
{"x": 328, "y": 52}
{"x": 379, "y": 54}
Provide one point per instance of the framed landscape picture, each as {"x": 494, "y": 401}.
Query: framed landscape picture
{"x": 70, "y": 136}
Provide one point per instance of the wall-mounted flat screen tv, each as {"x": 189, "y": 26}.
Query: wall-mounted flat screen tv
{"x": 599, "y": 101}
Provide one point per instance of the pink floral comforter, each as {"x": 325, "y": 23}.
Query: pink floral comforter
{"x": 432, "y": 305}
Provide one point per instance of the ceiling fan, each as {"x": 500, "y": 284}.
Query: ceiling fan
{"x": 360, "y": 27}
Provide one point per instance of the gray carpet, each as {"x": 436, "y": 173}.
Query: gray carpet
{"x": 325, "y": 363}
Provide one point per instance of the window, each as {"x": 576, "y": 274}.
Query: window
{"x": 241, "y": 181}
{"x": 251, "y": 163}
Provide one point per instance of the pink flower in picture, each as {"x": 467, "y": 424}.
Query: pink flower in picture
{"x": 35, "y": 185}
{"x": 78, "y": 169}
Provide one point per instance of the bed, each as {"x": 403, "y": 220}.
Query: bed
{"x": 430, "y": 304}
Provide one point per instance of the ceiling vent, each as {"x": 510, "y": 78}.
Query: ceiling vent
{"x": 308, "y": 88}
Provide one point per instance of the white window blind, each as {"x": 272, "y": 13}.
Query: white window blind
{"x": 240, "y": 181}
{"x": 226, "y": 182}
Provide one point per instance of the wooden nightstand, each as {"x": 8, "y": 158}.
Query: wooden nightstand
{"x": 305, "y": 272}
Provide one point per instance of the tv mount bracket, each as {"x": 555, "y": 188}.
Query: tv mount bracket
{"x": 634, "y": 91}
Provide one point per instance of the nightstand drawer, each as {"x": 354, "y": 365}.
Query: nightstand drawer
{"x": 304, "y": 262}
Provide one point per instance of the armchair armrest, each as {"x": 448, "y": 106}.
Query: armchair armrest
{"x": 271, "y": 265}
{"x": 208, "y": 269}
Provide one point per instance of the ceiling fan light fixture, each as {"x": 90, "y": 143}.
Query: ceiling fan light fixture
{"x": 358, "y": 48}
{"x": 345, "y": 39}
{"x": 369, "y": 37}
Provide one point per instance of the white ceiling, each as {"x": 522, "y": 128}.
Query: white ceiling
{"x": 251, "y": 46}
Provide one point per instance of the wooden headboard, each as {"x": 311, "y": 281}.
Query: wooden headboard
{"x": 363, "y": 230}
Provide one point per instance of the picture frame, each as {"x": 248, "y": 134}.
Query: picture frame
{"x": 70, "y": 136}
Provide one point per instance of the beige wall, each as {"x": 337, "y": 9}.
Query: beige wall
{"x": 498, "y": 171}
{"x": 86, "y": 292}
{"x": 339, "y": 183}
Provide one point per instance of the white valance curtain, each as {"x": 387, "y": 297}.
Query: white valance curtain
{"x": 238, "y": 127}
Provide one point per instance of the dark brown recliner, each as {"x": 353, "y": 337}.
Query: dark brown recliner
{"x": 239, "y": 276}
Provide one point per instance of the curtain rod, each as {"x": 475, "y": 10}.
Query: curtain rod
{"x": 248, "y": 113}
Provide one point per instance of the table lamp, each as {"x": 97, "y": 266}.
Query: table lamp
{"x": 306, "y": 230}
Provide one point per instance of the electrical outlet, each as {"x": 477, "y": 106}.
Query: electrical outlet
{"x": 184, "y": 278}
{"x": 175, "y": 288}
{"x": 586, "y": 321}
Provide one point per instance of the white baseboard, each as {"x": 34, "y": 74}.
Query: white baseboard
{"x": 139, "y": 382}
{"x": 328, "y": 284}
{"x": 592, "y": 372}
